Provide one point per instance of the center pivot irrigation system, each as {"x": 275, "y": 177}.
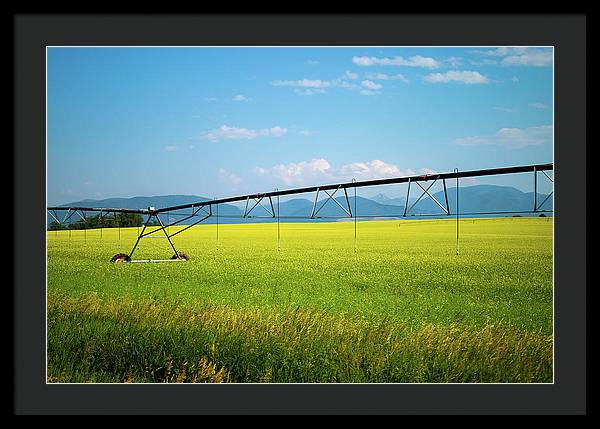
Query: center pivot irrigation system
{"x": 204, "y": 209}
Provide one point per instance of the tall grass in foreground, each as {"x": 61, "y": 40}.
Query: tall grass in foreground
{"x": 152, "y": 340}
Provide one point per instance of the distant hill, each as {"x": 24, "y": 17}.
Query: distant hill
{"x": 384, "y": 199}
{"x": 478, "y": 198}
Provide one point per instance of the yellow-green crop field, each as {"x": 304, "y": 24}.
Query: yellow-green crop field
{"x": 403, "y": 309}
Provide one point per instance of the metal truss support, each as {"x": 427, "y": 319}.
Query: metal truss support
{"x": 81, "y": 215}
{"x": 407, "y": 195}
{"x": 54, "y": 216}
{"x": 194, "y": 213}
{"x": 315, "y": 211}
{"x": 257, "y": 202}
{"x": 446, "y": 197}
{"x": 103, "y": 215}
{"x": 68, "y": 215}
{"x": 167, "y": 235}
{"x": 189, "y": 226}
{"x": 536, "y": 206}
{"x": 446, "y": 209}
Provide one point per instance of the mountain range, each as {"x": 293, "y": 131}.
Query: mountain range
{"x": 477, "y": 198}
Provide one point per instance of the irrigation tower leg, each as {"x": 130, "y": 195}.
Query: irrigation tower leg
{"x": 167, "y": 235}
{"x": 139, "y": 236}
{"x": 355, "y": 249}
{"x": 456, "y": 171}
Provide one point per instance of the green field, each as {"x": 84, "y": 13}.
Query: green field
{"x": 403, "y": 309}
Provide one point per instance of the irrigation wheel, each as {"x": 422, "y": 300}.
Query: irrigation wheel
{"x": 182, "y": 255}
{"x": 120, "y": 257}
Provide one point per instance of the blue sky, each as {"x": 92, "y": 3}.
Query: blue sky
{"x": 218, "y": 122}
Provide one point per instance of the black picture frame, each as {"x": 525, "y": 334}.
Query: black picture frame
{"x": 33, "y": 32}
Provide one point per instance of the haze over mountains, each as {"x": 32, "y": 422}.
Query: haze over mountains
{"x": 477, "y": 198}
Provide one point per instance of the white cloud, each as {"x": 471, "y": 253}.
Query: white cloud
{"x": 226, "y": 176}
{"x": 541, "y": 106}
{"x": 535, "y": 57}
{"x": 497, "y": 52}
{"x": 311, "y": 62}
{"x": 308, "y": 132}
{"x": 211, "y": 99}
{"x": 511, "y": 137}
{"x": 467, "y": 77}
{"x": 453, "y": 62}
{"x": 483, "y": 62}
{"x": 383, "y": 76}
{"x": 370, "y": 88}
{"x": 260, "y": 171}
{"x": 368, "y": 84}
{"x": 241, "y": 97}
{"x": 309, "y": 91}
{"x": 315, "y": 170}
{"x": 225, "y": 132}
{"x": 275, "y": 131}
{"x": 375, "y": 169}
{"x": 170, "y": 148}
{"x": 414, "y": 61}
{"x": 350, "y": 75}
{"x": 319, "y": 170}
{"x": 470, "y": 181}
{"x": 305, "y": 86}
{"x": 427, "y": 171}
{"x": 344, "y": 83}
{"x": 319, "y": 86}
{"x": 514, "y": 79}
{"x": 303, "y": 83}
